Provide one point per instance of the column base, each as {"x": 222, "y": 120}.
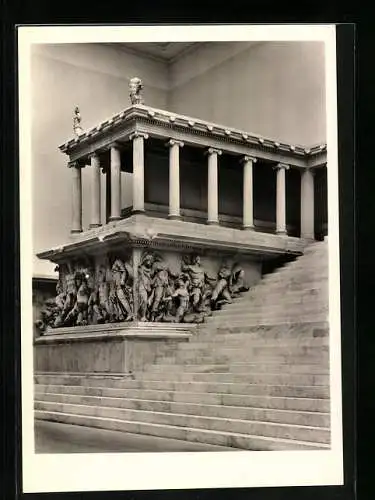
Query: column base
{"x": 91, "y": 226}
{"x": 248, "y": 228}
{"x": 308, "y": 237}
{"x": 174, "y": 217}
{"x": 281, "y": 232}
{"x": 138, "y": 211}
{"x": 212, "y": 223}
{"x": 76, "y": 231}
{"x": 114, "y": 218}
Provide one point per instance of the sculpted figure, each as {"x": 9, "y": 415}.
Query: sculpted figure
{"x": 182, "y": 296}
{"x": 97, "y": 307}
{"x": 237, "y": 281}
{"x": 196, "y": 275}
{"x": 199, "y": 282}
{"x": 79, "y": 313}
{"x": 135, "y": 90}
{"x": 52, "y": 309}
{"x": 104, "y": 306}
{"x": 145, "y": 285}
{"x": 161, "y": 290}
{"x": 122, "y": 277}
{"x": 77, "y": 121}
{"x": 221, "y": 291}
{"x": 67, "y": 298}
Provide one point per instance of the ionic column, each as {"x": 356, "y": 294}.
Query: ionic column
{"x": 95, "y": 191}
{"x": 213, "y": 206}
{"x": 174, "y": 178}
{"x": 138, "y": 171}
{"x": 307, "y": 204}
{"x": 281, "y": 198}
{"x": 76, "y": 197}
{"x": 248, "y": 216}
{"x": 115, "y": 183}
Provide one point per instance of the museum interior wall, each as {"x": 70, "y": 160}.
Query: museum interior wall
{"x": 273, "y": 89}
{"x": 281, "y": 84}
{"x": 95, "y": 79}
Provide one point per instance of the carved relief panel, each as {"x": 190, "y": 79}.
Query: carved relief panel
{"x": 154, "y": 287}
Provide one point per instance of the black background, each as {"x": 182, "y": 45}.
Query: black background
{"x": 353, "y": 253}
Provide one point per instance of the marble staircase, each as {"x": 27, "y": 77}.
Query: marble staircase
{"x": 254, "y": 376}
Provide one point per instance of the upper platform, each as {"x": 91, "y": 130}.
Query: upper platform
{"x": 195, "y": 185}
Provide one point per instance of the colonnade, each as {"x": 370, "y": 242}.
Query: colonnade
{"x": 213, "y": 155}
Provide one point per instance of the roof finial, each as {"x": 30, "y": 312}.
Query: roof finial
{"x": 77, "y": 121}
{"x": 135, "y": 90}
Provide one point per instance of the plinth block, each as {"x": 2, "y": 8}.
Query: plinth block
{"x": 107, "y": 348}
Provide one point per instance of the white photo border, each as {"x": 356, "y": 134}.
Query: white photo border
{"x": 155, "y": 471}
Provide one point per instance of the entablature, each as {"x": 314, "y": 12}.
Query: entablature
{"x": 161, "y": 124}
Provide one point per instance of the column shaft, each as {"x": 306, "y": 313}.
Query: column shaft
{"x": 212, "y": 201}
{"x": 95, "y": 191}
{"x": 307, "y": 204}
{"x": 174, "y": 179}
{"x": 138, "y": 172}
{"x": 281, "y": 199}
{"x": 248, "y": 204}
{"x": 77, "y": 199}
{"x": 115, "y": 184}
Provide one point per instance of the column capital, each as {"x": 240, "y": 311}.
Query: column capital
{"x": 311, "y": 170}
{"x": 212, "y": 151}
{"x": 93, "y": 155}
{"x": 248, "y": 158}
{"x": 115, "y": 144}
{"x": 75, "y": 164}
{"x": 174, "y": 142}
{"x": 137, "y": 134}
{"x": 281, "y": 166}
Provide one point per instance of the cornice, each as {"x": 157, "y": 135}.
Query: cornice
{"x": 128, "y": 234}
{"x": 120, "y": 124}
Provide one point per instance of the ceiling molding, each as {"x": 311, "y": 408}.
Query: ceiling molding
{"x": 164, "y": 52}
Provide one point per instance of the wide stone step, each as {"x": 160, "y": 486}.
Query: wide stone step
{"x": 246, "y": 342}
{"x": 314, "y": 419}
{"x": 195, "y": 386}
{"x": 284, "y": 431}
{"x": 266, "y": 349}
{"x": 231, "y": 439}
{"x": 251, "y": 378}
{"x": 238, "y": 367}
{"x": 314, "y": 329}
{"x": 266, "y": 320}
{"x": 282, "y": 286}
{"x": 189, "y": 359}
{"x": 308, "y": 268}
{"x": 305, "y": 263}
{"x": 276, "y": 299}
{"x": 255, "y": 334}
{"x": 243, "y": 400}
{"x": 266, "y": 311}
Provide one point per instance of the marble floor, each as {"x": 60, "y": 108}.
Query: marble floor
{"x": 53, "y": 437}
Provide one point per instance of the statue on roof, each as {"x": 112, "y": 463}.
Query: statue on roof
{"x": 77, "y": 121}
{"x": 135, "y": 90}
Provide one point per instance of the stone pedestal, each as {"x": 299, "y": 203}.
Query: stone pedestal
{"x": 114, "y": 348}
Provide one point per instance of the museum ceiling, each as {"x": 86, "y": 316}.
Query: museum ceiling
{"x": 163, "y": 51}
